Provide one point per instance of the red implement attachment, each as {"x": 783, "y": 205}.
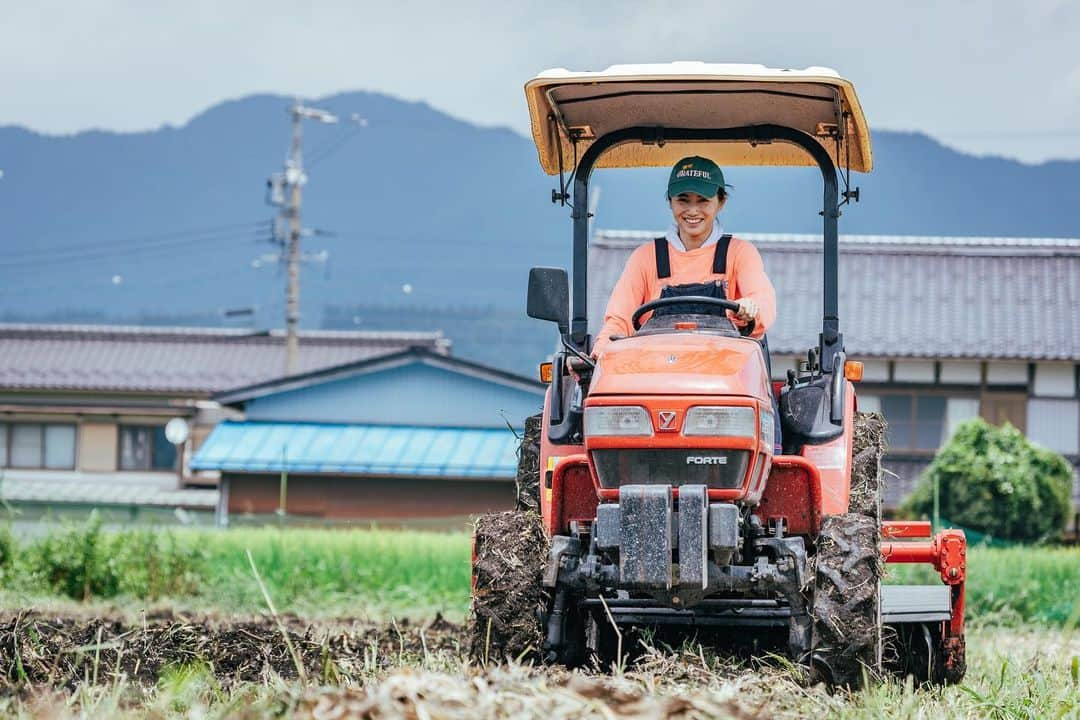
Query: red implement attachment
{"x": 947, "y": 552}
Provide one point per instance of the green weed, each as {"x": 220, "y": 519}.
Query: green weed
{"x": 84, "y": 562}
{"x": 379, "y": 574}
{"x": 1011, "y": 586}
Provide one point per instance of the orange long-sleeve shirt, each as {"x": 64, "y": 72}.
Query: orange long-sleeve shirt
{"x": 745, "y": 275}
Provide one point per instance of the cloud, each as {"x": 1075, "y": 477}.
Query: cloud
{"x": 938, "y": 67}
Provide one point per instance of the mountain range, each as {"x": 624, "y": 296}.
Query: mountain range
{"x": 428, "y": 221}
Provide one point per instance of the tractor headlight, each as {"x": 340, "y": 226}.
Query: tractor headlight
{"x": 767, "y": 428}
{"x": 735, "y": 421}
{"x": 617, "y": 421}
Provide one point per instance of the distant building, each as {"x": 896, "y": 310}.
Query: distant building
{"x": 410, "y": 436}
{"x": 83, "y": 407}
{"x": 948, "y": 328}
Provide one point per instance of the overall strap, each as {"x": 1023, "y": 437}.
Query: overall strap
{"x": 663, "y": 262}
{"x": 719, "y": 263}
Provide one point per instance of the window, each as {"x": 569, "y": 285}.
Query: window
{"x": 60, "y": 447}
{"x": 37, "y": 445}
{"x": 145, "y": 447}
{"x": 916, "y": 421}
{"x": 26, "y": 445}
{"x": 957, "y": 411}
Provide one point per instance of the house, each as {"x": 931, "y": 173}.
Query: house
{"x": 948, "y": 328}
{"x": 414, "y": 435}
{"x": 83, "y": 408}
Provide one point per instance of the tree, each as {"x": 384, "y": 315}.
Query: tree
{"x": 993, "y": 480}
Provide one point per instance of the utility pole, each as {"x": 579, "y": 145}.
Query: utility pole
{"x": 286, "y": 192}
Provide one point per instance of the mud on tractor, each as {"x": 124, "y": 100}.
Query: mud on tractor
{"x": 649, "y": 491}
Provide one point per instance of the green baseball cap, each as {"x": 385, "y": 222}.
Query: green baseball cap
{"x": 695, "y": 174}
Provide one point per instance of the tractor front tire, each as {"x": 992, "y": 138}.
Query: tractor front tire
{"x": 527, "y": 483}
{"x": 846, "y": 601}
{"x": 508, "y": 597}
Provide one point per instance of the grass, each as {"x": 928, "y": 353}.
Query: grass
{"x": 1013, "y": 673}
{"x": 375, "y": 574}
{"x": 1011, "y": 586}
{"x": 359, "y": 572}
{"x": 367, "y": 574}
{"x": 1023, "y": 642}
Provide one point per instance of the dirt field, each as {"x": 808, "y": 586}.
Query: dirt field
{"x": 63, "y": 651}
{"x": 175, "y": 666}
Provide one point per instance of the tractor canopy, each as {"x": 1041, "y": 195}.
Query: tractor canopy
{"x": 570, "y": 110}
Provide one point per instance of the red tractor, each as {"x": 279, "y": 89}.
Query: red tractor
{"x": 649, "y": 491}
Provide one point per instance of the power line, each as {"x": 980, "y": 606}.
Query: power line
{"x": 156, "y": 281}
{"x": 135, "y": 252}
{"x": 332, "y": 147}
{"x": 139, "y": 239}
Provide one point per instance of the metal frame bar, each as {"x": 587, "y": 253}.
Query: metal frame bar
{"x": 830, "y": 341}
{"x": 692, "y": 91}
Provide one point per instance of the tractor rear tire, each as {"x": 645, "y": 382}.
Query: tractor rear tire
{"x": 846, "y": 600}
{"x": 508, "y": 597}
{"x": 527, "y": 483}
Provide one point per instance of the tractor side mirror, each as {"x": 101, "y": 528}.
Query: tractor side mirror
{"x": 549, "y": 296}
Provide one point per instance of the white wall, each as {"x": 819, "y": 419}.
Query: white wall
{"x": 918, "y": 371}
{"x": 1006, "y": 373}
{"x": 868, "y": 403}
{"x": 875, "y": 371}
{"x": 1055, "y": 380}
{"x": 961, "y": 372}
{"x": 1055, "y": 424}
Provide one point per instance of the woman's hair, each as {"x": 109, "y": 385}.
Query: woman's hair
{"x": 721, "y": 194}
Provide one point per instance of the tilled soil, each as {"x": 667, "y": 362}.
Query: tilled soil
{"x": 510, "y": 549}
{"x": 527, "y": 482}
{"x": 397, "y": 670}
{"x": 867, "y": 475}
{"x": 39, "y": 649}
{"x": 670, "y": 687}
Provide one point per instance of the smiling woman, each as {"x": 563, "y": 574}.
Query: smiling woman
{"x": 696, "y": 258}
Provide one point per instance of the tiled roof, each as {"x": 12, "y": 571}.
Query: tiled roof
{"x": 102, "y": 489}
{"x": 414, "y": 354}
{"x": 196, "y": 361}
{"x": 359, "y": 449}
{"x": 952, "y": 297}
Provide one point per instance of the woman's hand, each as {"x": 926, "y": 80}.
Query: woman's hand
{"x": 748, "y": 309}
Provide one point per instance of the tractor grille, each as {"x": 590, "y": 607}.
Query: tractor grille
{"x": 719, "y": 469}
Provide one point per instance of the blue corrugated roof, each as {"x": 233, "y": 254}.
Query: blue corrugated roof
{"x": 359, "y": 449}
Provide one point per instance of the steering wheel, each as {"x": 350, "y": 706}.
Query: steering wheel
{"x": 667, "y": 302}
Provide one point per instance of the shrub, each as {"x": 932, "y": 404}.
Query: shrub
{"x": 153, "y": 565}
{"x": 82, "y": 562}
{"x": 73, "y": 562}
{"x": 993, "y": 480}
{"x": 9, "y": 549}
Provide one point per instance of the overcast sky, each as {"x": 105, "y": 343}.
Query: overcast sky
{"x": 996, "y": 77}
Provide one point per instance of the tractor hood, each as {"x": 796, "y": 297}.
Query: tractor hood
{"x": 682, "y": 364}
